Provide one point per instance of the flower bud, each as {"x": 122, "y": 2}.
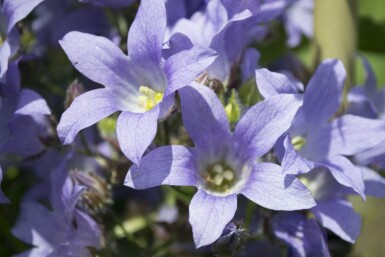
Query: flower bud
{"x": 232, "y": 240}
{"x": 73, "y": 91}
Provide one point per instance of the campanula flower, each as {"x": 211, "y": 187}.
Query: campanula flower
{"x": 140, "y": 85}
{"x": 224, "y": 164}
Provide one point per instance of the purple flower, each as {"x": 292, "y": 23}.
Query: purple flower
{"x": 64, "y": 231}
{"x": 312, "y": 140}
{"x": 111, "y": 3}
{"x": 316, "y": 144}
{"x": 227, "y": 27}
{"x": 303, "y": 236}
{"x": 223, "y": 164}
{"x": 140, "y": 85}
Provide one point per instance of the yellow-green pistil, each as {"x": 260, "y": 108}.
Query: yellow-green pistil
{"x": 149, "y": 98}
{"x": 298, "y": 142}
{"x": 219, "y": 177}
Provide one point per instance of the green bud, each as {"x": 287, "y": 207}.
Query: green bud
{"x": 233, "y": 110}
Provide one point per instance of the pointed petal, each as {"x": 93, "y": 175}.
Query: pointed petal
{"x": 5, "y": 53}
{"x": 268, "y": 187}
{"x": 86, "y": 110}
{"x": 374, "y": 183}
{"x": 346, "y": 173}
{"x": 272, "y": 83}
{"x": 347, "y": 137}
{"x": 136, "y": 131}
{"x": 17, "y": 10}
{"x": 320, "y": 105}
{"x": 339, "y": 216}
{"x": 360, "y": 104}
{"x": 250, "y": 63}
{"x": 209, "y": 215}
{"x": 166, "y": 165}
{"x": 146, "y": 34}
{"x": 262, "y": 125}
{"x": 293, "y": 163}
{"x": 31, "y": 103}
{"x": 184, "y": 67}
{"x": 102, "y": 61}
{"x": 374, "y": 156}
{"x": 204, "y": 117}
{"x": 177, "y": 43}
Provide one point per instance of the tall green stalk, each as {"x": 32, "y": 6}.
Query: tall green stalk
{"x": 335, "y": 31}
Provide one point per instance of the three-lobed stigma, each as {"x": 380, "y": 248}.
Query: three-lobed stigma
{"x": 149, "y": 98}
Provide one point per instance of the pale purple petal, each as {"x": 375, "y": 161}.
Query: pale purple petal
{"x": 209, "y": 215}
{"x": 86, "y": 110}
{"x": 374, "y": 183}
{"x": 320, "y": 105}
{"x": 272, "y": 83}
{"x": 102, "y": 61}
{"x": 146, "y": 34}
{"x": 346, "y": 173}
{"x": 374, "y": 156}
{"x": 136, "y": 131}
{"x": 204, "y": 117}
{"x": 360, "y": 104}
{"x": 292, "y": 162}
{"x": 5, "y": 53}
{"x": 177, "y": 43}
{"x": 250, "y": 63}
{"x": 31, "y": 103}
{"x": 268, "y": 187}
{"x": 347, "y": 135}
{"x": 339, "y": 216}
{"x": 262, "y": 125}
{"x": 184, "y": 67}
{"x": 166, "y": 165}
{"x": 17, "y": 10}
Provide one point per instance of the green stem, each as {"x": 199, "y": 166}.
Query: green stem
{"x": 249, "y": 213}
{"x": 335, "y": 33}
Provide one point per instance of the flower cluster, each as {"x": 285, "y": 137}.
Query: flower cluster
{"x": 236, "y": 154}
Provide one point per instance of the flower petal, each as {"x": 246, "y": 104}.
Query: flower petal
{"x": 17, "y": 10}
{"x": 209, "y": 215}
{"x": 185, "y": 66}
{"x": 347, "y": 137}
{"x": 346, "y": 173}
{"x": 146, "y": 34}
{"x": 374, "y": 156}
{"x": 292, "y": 162}
{"x": 374, "y": 183}
{"x": 268, "y": 187}
{"x": 262, "y": 125}
{"x": 304, "y": 237}
{"x": 320, "y": 105}
{"x": 272, "y": 83}
{"x": 86, "y": 110}
{"x": 136, "y": 131}
{"x": 102, "y": 61}
{"x": 339, "y": 216}
{"x": 166, "y": 165}
{"x": 204, "y": 117}
{"x": 31, "y": 103}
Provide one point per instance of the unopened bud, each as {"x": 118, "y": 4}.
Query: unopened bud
{"x": 97, "y": 193}
{"x": 232, "y": 240}
{"x": 73, "y": 91}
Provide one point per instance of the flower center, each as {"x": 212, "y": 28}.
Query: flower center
{"x": 219, "y": 177}
{"x": 298, "y": 142}
{"x": 149, "y": 98}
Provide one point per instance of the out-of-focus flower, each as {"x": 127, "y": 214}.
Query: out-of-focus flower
{"x": 223, "y": 164}
{"x": 65, "y": 231}
{"x": 303, "y": 236}
{"x": 141, "y": 85}
{"x": 111, "y": 3}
